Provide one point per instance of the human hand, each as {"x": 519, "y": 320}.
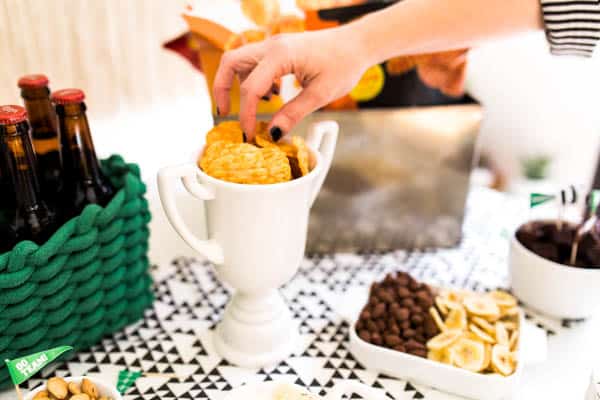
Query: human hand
{"x": 444, "y": 71}
{"x": 326, "y": 63}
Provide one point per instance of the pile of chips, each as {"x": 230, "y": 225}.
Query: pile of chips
{"x": 479, "y": 331}
{"x": 229, "y": 157}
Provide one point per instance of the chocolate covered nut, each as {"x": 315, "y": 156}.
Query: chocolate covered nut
{"x": 408, "y": 333}
{"x": 400, "y": 348}
{"x": 413, "y": 344}
{"x": 413, "y": 285}
{"x": 379, "y": 310}
{"x": 405, "y": 325}
{"x": 389, "y": 280}
{"x": 365, "y": 314}
{"x": 374, "y": 287}
{"x": 418, "y": 352}
{"x": 424, "y": 299}
{"x": 401, "y": 314}
{"x": 376, "y": 339}
{"x": 408, "y": 302}
{"x": 392, "y": 340}
{"x": 403, "y": 279}
{"x": 420, "y": 329}
{"x": 416, "y": 319}
{"x": 364, "y": 335}
{"x": 429, "y": 327}
{"x": 403, "y": 292}
{"x": 380, "y": 325}
{"x": 386, "y": 297}
{"x": 395, "y": 329}
{"x": 372, "y": 326}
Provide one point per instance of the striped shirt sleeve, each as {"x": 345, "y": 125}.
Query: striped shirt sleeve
{"x": 572, "y": 26}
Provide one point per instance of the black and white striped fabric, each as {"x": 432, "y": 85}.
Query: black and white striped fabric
{"x": 572, "y": 26}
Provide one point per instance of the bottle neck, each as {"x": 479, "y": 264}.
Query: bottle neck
{"x": 19, "y": 159}
{"x": 79, "y": 155}
{"x": 42, "y": 119}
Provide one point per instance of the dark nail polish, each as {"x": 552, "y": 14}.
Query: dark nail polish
{"x": 244, "y": 137}
{"x": 266, "y": 98}
{"x": 276, "y": 133}
{"x": 218, "y": 112}
{"x": 275, "y": 90}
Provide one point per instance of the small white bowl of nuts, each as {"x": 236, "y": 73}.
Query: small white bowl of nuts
{"x": 74, "y": 388}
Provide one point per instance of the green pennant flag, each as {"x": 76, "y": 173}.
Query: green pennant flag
{"x": 23, "y": 368}
{"x": 127, "y": 379}
{"x": 537, "y": 199}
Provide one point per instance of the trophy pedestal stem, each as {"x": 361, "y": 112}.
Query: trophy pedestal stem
{"x": 257, "y": 330}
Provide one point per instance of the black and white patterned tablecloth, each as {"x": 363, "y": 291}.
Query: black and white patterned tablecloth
{"x": 174, "y": 339}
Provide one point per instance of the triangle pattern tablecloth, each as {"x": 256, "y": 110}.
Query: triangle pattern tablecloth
{"x": 173, "y": 344}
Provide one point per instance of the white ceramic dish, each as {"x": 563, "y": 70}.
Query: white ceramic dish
{"x": 268, "y": 390}
{"x": 551, "y": 288}
{"x": 103, "y": 388}
{"x": 435, "y": 374}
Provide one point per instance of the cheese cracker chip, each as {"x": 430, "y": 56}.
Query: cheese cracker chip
{"x": 301, "y": 154}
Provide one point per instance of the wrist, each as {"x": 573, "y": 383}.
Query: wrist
{"x": 362, "y": 37}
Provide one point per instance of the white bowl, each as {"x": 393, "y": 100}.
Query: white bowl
{"x": 103, "y": 388}
{"x": 554, "y": 289}
{"x": 436, "y": 374}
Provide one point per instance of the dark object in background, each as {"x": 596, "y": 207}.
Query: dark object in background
{"x": 31, "y": 218}
{"x": 544, "y": 239}
{"x": 44, "y": 134}
{"x": 84, "y": 182}
{"x": 395, "y": 82}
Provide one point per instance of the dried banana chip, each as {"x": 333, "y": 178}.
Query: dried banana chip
{"x": 481, "y": 334}
{"x": 443, "y": 340}
{"x": 502, "y": 360}
{"x": 437, "y": 319}
{"x": 503, "y": 299}
{"x": 484, "y": 324}
{"x": 456, "y": 319}
{"x": 482, "y": 307}
{"x": 443, "y": 356}
{"x": 469, "y": 354}
{"x": 501, "y": 334}
{"x": 441, "y": 305}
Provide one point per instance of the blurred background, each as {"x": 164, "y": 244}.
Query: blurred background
{"x": 540, "y": 128}
{"x": 141, "y": 96}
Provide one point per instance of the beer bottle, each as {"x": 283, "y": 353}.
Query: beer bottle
{"x": 84, "y": 182}
{"x": 31, "y": 218}
{"x": 44, "y": 133}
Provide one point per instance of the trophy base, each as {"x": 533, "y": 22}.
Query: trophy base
{"x": 256, "y": 330}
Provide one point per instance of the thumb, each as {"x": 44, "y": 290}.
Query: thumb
{"x": 308, "y": 100}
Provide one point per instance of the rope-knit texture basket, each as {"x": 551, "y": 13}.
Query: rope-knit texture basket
{"x": 89, "y": 280}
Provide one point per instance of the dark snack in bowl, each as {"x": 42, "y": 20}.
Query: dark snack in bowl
{"x": 396, "y": 315}
{"x": 546, "y": 240}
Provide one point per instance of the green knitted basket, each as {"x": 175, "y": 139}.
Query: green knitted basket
{"x": 89, "y": 280}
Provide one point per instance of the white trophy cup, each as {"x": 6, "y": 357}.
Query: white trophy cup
{"x": 256, "y": 240}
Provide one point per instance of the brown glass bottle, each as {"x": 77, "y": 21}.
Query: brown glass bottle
{"x": 31, "y": 218}
{"x": 84, "y": 182}
{"x": 44, "y": 133}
